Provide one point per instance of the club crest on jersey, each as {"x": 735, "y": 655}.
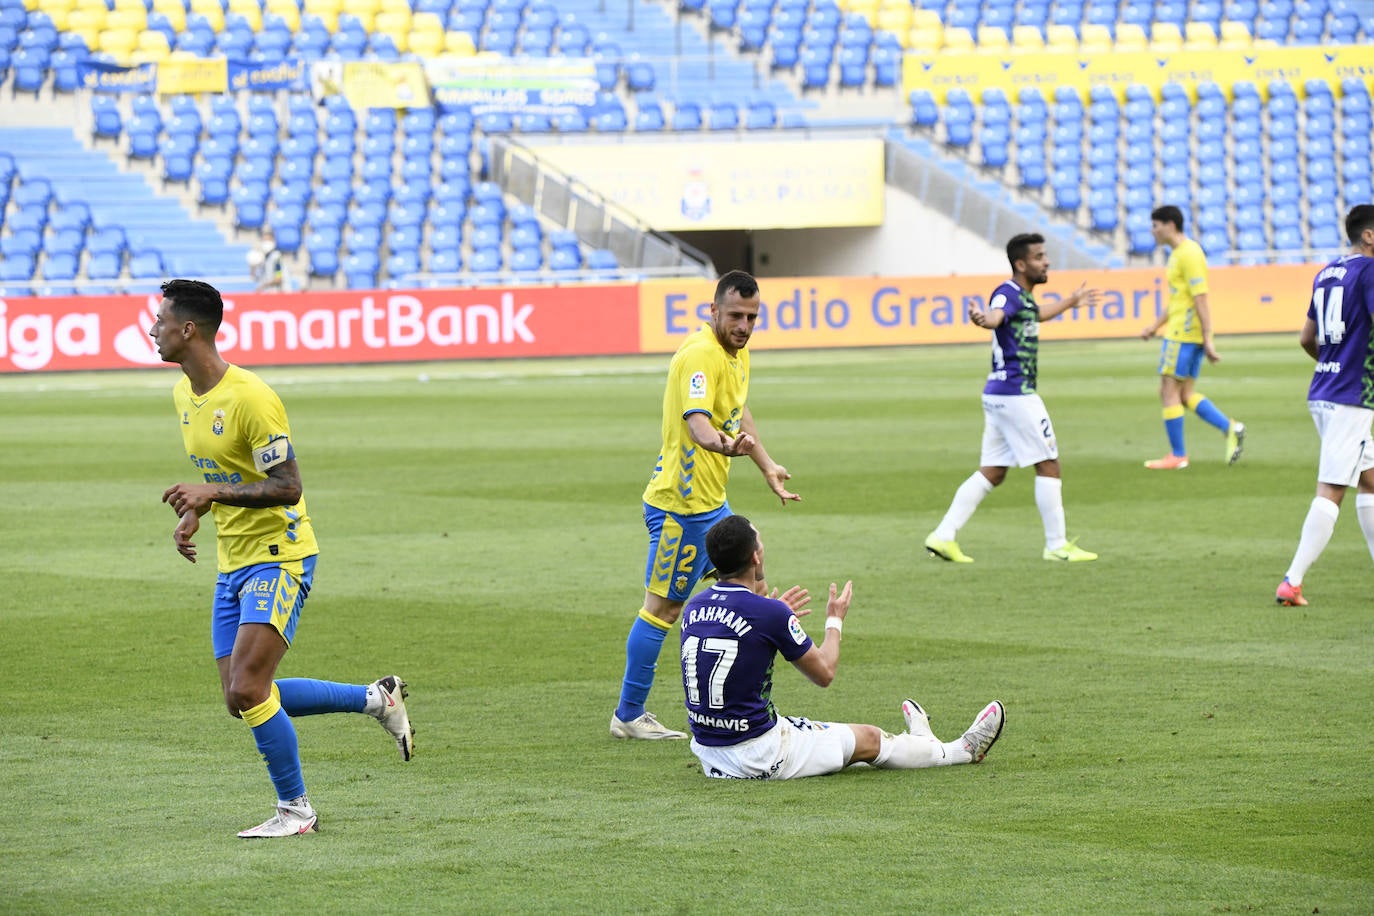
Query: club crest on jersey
{"x": 680, "y": 583}
{"x": 218, "y": 427}
{"x": 794, "y": 627}
{"x": 696, "y": 386}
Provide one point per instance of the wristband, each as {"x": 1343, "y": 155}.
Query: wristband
{"x": 835, "y": 623}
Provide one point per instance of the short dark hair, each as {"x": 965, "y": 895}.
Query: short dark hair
{"x": 1360, "y": 218}
{"x": 1168, "y": 214}
{"x": 730, "y": 544}
{"x": 196, "y": 300}
{"x": 740, "y": 282}
{"x": 1020, "y": 245}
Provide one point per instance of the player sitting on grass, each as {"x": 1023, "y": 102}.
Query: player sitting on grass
{"x": 732, "y": 633}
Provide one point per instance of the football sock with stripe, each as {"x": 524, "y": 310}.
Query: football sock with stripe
{"x": 1207, "y": 411}
{"x": 1173, "y": 428}
{"x": 276, "y": 740}
{"x": 307, "y": 696}
{"x": 641, "y": 659}
{"x": 915, "y": 752}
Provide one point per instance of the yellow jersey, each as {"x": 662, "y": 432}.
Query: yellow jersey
{"x": 702, "y": 378}
{"x": 235, "y": 433}
{"x": 1187, "y": 277}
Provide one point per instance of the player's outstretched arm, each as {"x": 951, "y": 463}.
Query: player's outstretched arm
{"x": 820, "y": 662}
{"x": 773, "y": 473}
{"x": 1079, "y": 297}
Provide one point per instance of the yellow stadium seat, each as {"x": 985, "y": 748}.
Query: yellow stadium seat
{"x": 359, "y": 7}
{"x": 153, "y": 40}
{"x": 1164, "y": 37}
{"x": 1061, "y": 38}
{"x": 1027, "y": 38}
{"x": 318, "y": 7}
{"x": 992, "y": 38}
{"x": 136, "y": 19}
{"x": 138, "y": 56}
{"x": 51, "y": 6}
{"x": 427, "y": 43}
{"x": 896, "y": 20}
{"x": 92, "y": 5}
{"x": 1235, "y": 36}
{"x": 129, "y": 5}
{"x": 1131, "y": 37}
{"x": 395, "y": 6}
{"x": 925, "y": 39}
{"x": 427, "y": 22}
{"x": 1198, "y": 36}
{"x": 458, "y": 44}
{"x": 926, "y": 19}
{"x": 958, "y": 40}
{"x": 87, "y": 20}
{"x": 58, "y": 17}
{"x": 393, "y": 23}
{"x": 1096, "y": 39}
{"x": 119, "y": 42}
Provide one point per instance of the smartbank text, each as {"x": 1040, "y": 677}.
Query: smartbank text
{"x": 34, "y": 340}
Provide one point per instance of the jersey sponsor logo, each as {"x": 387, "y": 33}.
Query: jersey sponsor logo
{"x": 794, "y": 627}
{"x": 1330, "y": 366}
{"x": 696, "y": 386}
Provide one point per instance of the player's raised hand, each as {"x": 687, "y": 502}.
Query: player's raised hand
{"x": 796, "y": 598}
{"x": 777, "y": 478}
{"x": 185, "y": 530}
{"x": 978, "y": 316}
{"x": 1085, "y": 296}
{"x": 838, "y": 605}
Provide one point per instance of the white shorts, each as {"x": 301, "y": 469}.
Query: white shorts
{"x": 789, "y": 750}
{"x": 1016, "y": 431}
{"x": 1347, "y": 444}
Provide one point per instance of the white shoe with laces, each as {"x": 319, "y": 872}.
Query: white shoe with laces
{"x": 392, "y": 713}
{"x": 917, "y": 722}
{"x": 646, "y": 727}
{"x": 290, "y": 820}
{"x": 984, "y": 731}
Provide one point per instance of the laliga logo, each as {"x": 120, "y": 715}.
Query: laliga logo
{"x": 133, "y": 343}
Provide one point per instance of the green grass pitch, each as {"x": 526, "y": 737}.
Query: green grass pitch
{"x": 1175, "y": 742}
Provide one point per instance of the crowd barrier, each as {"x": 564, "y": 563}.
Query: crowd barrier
{"x": 111, "y": 332}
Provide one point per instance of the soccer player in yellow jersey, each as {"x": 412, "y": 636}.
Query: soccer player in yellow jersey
{"x": 1187, "y": 339}
{"x": 239, "y": 445}
{"x": 706, "y": 422}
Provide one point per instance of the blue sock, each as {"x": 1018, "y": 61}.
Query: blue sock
{"x": 1173, "y": 428}
{"x": 276, "y": 740}
{"x": 641, "y": 659}
{"x": 306, "y": 696}
{"x": 1206, "y": 410}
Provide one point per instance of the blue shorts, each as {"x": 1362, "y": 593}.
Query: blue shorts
{"x": 270, "y": 593}
{"x": 677, "y": 550}
{"x": 1180, "y": 359}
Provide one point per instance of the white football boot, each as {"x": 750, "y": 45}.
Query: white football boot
{"x": 290, "y": 820}
{"x": 984, "y": 731}
{"x": 392, "y": 693}
{"x": 646, "y": 727}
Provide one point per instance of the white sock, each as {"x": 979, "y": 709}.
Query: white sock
{"x": 1364, "y": 509}
{"x": 914, "y": 752}
{"x": 374, "y": 704}
{"x": 1316, "y": 534}
{"x": 966, "y": 500}
{"x": 1049, "y": 499}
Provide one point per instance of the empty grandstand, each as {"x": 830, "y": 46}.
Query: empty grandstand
{"x": 143, "y": 138}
